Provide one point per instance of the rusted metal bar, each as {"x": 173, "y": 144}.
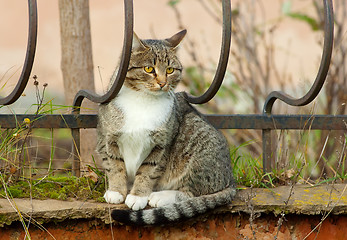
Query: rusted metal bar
{"x": 29, "y": 57}
{"x": 268, "y": 152}
{"x": 123, "y": 67}
{"x": 76, "y": 142}
{"x": 49, "y": 121}
{"x": 323, "y": 68}
{"x": 273, "y": 122}
{"x": 223, "y": 59}
{"x": 249, "y": 121}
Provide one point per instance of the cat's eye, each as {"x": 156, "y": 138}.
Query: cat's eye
{"x": 169, "y": 70}
{"x": 149, "y": 69}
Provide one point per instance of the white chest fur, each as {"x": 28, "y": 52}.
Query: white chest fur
{"x": 143, "y": 113}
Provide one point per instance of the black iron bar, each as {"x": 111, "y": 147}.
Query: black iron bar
{"x": 76, "y": 151}
{"x": 29, "y": 57}
{"x": 223, "y": 59}
{"x": 268, "y": 150}
{"x": 323, "y": 68}
{"x": 115, "y": 88}
{"x": 123, "y": 67}
{"x": 248, "y": 121}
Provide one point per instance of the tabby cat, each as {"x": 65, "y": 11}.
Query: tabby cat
{"x": 156, "y": 148}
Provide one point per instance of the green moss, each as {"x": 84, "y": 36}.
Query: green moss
{"x": 14, "y": 192}
{"x": 54, "y": 195}
{"x": 61, "y": 188}
{"x": 3, "y": 219}
{"x": 100, "y": 199}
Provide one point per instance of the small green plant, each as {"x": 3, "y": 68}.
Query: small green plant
{"x": 246, "y": 169}
{"x": 29, "y": 152}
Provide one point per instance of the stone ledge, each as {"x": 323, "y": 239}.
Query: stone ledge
{"x": 305, "y": 200}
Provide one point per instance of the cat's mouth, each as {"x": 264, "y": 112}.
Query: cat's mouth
{"x": 161, "y": 87}
{"x": 157, "y": 90}
{"x": 164, "y": 89}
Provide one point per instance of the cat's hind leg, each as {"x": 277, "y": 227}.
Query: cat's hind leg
{"x": 162, "y": 198}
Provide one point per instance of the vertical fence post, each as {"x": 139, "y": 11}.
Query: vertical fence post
{"x": 266, "y": 137}
{"x": 29, "y": 57}
{"x": 76, "y": 163}
{"x": 268, "y": 150}
{"x": 268, "y": 153}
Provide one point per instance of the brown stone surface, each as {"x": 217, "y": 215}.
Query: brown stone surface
{"x": 311, "y": 213}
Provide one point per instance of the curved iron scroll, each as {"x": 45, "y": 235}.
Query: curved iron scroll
{"x": 208, "y": 95}
{"x": 323, "y": 68}
{"x": 223, "y": 59}
{"x": 29, "y": 57}
{"x": 123, "y": 68}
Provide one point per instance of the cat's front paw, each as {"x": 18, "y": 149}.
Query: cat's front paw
{"x": 136, "y": 202}
{"x": 113, "y": 197}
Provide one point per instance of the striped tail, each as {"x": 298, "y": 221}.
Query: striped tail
{"x": 175, "y": 212}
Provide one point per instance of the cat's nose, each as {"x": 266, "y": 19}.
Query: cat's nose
{"x": 161, "y": 84}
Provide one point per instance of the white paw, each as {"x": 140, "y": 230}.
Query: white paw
{"x": 113, "y": 197}
{"x": 136, "y": 202}
{"x": 162, "y": 198}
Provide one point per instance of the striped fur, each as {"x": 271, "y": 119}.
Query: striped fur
{"x": 157, "y": 149}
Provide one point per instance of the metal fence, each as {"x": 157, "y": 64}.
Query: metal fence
{"x": 267, "y": 122}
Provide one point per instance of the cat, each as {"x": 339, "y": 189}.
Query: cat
{"x": 157, "y": 149}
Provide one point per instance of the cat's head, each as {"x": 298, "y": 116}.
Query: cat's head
{"x": 154, "y": 67}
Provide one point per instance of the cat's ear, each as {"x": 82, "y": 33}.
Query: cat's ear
{"x": 175, "y": 40}
{"x": 138, "y": 44}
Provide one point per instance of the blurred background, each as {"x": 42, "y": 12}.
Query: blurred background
{"x": 276, "y": 45}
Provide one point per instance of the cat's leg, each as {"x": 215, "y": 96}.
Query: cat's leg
{"x": 117, "y": 184}
{"x": 116, "y": 174}
{"x": 145, "y": 179}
